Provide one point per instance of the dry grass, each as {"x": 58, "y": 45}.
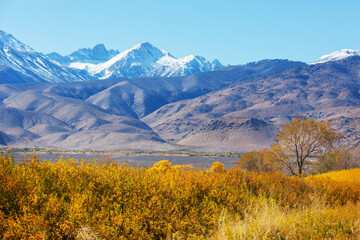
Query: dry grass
{"x": 86, "y": 233}
{"x": 267, "y": 220}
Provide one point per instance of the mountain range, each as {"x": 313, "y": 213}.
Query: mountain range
{"x": 144, "y": 98}
{"x": 328, "y": 91}
{"x": 143, "y": 60}
{"x": 107, "y": 114}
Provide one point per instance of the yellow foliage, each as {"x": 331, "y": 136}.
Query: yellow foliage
{"x": 187, "y": 167}
{"x": 217, "y": 167}
{"x": 162, "y": 165}
{"x": 350, "y": 176}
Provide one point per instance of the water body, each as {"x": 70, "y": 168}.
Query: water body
{"x": 140, "y": 160}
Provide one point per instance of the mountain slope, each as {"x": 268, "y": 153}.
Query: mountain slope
{"x": 31, "y": 112}
{"x": 6, "y": 139}
{"x": 327, "y": 91}
{"x": 9, "y": 75}
{"x": 231, "y": 134}
{"x": 145, "y": 95}
{"x": 31, "y": 65}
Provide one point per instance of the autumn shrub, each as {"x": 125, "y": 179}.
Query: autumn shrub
{"x": 258, "y": 161}
{"x": 162, "y": 165}
{"x": 217, "y": 167}
{"x": 336, "y": 160}
{"x": 186, "y": 167}
{"x": 69, "y": 198}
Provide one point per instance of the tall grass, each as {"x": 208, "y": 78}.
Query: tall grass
{"x": 266, "y": 220}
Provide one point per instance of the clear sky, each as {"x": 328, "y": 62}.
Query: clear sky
{"x": 235, "y": 32}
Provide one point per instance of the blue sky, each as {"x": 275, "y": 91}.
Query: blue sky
{"x": 235, "y": 32}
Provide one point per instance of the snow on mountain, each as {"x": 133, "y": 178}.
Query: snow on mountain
{"x": 172, "y": 67}
{"x": 142, "y": 60}
{"x": 82, "y": 66}
{"x": 95, "y": 55}
{"x": 33, "y": 65}
{"x": 146, "y": 60}
{"x": 337, "y": 55}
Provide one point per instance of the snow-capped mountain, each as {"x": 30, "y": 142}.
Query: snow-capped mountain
{"x": 31, "y": 65}
{"x": 20, "y": 63}
{"x": 146, "y": 60}
{"x": 95, "y": 55}
{"x": 338, "y": 55}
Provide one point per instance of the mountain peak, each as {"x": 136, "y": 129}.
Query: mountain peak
{"x": 337, "y": 55}
{"x": 145, "y": 44}
{"x": 4, "y": 34}
{"x": 99, "y": 52}
{"x": 9, "y": 41}
{"x": 98, "y": 47}
{"x": 217, "y": 64}
{"x": 142, "y": 52}
{"x": 145, "y": 47}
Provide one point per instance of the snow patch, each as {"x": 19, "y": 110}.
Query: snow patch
{"x": 337, "y": 55}
{"x": 82, "y": 66}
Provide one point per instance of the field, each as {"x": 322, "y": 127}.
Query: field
{"x": 71, "y": 199}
